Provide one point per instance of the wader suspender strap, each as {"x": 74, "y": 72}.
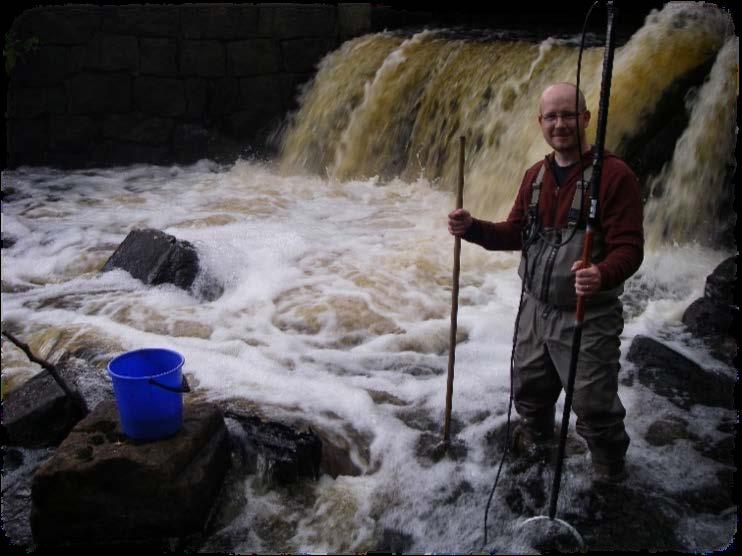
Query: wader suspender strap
{"x": 580, "y": 190}
{"x": 579, "y": 198}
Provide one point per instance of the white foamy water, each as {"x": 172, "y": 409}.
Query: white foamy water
{"x": 335, "y": 313}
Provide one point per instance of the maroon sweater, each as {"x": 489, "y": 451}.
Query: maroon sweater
{"x": 619, "y": 216}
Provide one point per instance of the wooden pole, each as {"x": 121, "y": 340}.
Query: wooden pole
{"x": 454, "y": 300}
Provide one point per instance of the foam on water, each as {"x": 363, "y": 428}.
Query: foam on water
{"x": 334, "y": 313}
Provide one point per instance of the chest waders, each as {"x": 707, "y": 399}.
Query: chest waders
{"x": 549, "y": 255}
{"x": 591, "y": 242}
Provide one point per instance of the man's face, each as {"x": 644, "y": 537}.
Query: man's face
{"x": 559, "y": 122}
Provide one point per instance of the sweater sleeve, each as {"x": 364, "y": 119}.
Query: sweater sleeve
{"x": 621, "y": 220}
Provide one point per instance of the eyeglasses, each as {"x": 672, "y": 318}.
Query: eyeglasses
{"x": 552, "y": 117}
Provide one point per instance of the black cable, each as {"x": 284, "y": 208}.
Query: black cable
{"x": 510, "y": 402}
{"x": 531, "y": 232}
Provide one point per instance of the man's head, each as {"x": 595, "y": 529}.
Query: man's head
{"x": 559, "y": 122}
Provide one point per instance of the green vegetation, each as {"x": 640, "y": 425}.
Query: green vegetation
{"x": 15, "y": 49}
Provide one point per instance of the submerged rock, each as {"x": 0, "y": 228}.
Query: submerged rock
{"x": 100, "y": 487}
{"x": 672, "y": 375}
{"x": 336, "y": 456}
{"x": 627, "y": 518}
{"x": 155, "y": 257}
{"x": 431, "y": 449}
{"x": 394, "y": 541}
{"x": 666, "y": 431}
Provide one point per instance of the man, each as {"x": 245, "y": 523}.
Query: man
{"x": 547, "y": 222}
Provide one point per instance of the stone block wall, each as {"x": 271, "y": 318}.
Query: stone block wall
{"x": 154, "y": 83}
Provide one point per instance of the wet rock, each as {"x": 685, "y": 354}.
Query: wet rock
{"x": 394, "y": 541}
{"x": 525, "y": 493}
{"x": 84, "y": 368}
{"x": 192, "y": 142}
{"x": 462, "y": 488}
{"x": 712, "y": 322}
{"x": 381, "y": 397}
{"x": 667, "y": 431}
{"x": 155, "y": 257}
{"x": 100, "y": 487}
{"x": 39, "y": 413}
{"x": 431, "y": 449}
{"x": 336, "y": 458}
{"x": 711, "y": 498}
{"x": 711, "y": 317}
{"x": 602, "y": 519}
{"x": 721, "y": 282}
{"x": 721, "y": 450}
{"x": 677, "y": 378}
{"x": 280, "y": 454}
{"x": 19, "y": 465}
{"x": 652, "y": 144}
{"x": 6, "y": 241}
{"x": 419, "y": 418}
{"x": 12, "y": 458}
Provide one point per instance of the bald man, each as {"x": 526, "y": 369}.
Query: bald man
{"x": 547, "y": 223}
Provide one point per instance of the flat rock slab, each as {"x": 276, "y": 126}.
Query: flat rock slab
{"x": 100, "y": 487}
{"x": 672, "y": 375}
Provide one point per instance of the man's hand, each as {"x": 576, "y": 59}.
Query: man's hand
{"x": 459, "y": 221}
{"x": 587, "y": 280}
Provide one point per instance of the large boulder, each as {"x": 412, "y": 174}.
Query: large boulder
{"x": 39, "y": 413}
{"x": 155, "y": 257}
{"x": 721, "y": 282}
{"x": 674, "y": 376}
{"x": 101, "y": 488}
{"x": 652, "y": 143}
{"x": 711, "y": 317}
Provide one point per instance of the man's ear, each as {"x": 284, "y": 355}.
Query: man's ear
{"x": 587, "y": 117}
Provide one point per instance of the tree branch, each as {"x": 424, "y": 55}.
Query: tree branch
{"x": 73, "y": 395}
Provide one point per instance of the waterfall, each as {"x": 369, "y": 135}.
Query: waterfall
{"x": 392, "y": 106}
{"x": 684, "y": 196}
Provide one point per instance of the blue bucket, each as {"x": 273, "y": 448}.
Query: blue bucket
{"x": 149, "y": 386}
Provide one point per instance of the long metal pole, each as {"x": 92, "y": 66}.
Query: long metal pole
{"x": 454, "y": 299}
{"x": 605, "y": 93}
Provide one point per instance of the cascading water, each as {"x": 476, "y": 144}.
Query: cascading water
{"x": 403, "y": 116}
{"x": 336, "y": 263}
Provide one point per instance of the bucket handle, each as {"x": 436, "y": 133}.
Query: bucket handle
{"x": 184, "y": 386}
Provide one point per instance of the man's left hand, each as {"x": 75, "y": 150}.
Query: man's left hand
{"x": 587, "y": 280}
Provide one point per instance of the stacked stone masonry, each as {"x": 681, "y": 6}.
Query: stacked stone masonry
{"x": 111, "y": 85}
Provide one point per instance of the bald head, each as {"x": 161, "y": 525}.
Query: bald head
{"x": 562, "y": 126}
{"x": 560, "y": 91}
